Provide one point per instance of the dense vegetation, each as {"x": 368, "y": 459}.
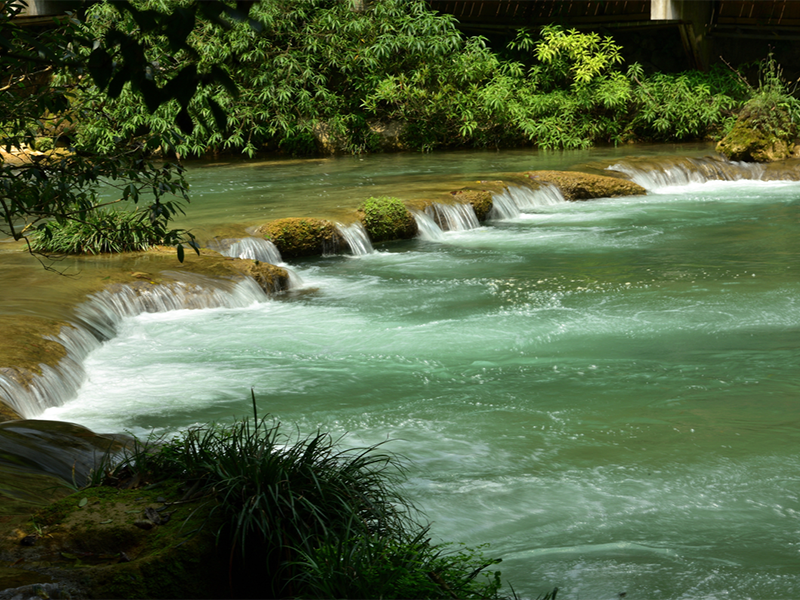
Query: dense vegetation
{"x": 317, "y": 74}
{"x": 102, "y": 230}
{"x": 45, "y": 70}
{"x": 302, "y": 518}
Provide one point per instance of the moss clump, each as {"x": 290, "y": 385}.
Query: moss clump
{"x": 765, "y": 129}
{"x": 387, "y": 219}
{"x": 583, "y": 186}
{"x": 302, "y": 237}
{"x": 481, "y": 201}
{"x": 762, "y": 133}
{"x": 92, "y": 539}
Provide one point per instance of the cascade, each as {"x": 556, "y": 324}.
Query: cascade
{"x": 515, "y": 200}
{"x": 254, "y": 248}
{"x": 655, "y": 174}
{"x": 97, "y": 320}
{"x": 453, "y": 217}
{"x": 427, "y": 227}
{"x": 356, "y": 238}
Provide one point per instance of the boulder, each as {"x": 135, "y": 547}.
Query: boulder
{"x": 763, "y": 132}
{"x": 750, "y": 143}
{"x": 387, "y": 219}
{"x": 297, "y": 237}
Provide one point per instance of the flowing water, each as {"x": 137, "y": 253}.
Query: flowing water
{"x": 605, "y": 391}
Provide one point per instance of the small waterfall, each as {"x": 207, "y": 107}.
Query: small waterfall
{"x": 96, "y": 321}
{"x": 254, "y": 248}
{"x": 453, "y": 217}
{"x": 427, "y": 227}
{"x": 513, "y": 201}
{"x": 655, "y": 174}
{"x": 356, "y": 238}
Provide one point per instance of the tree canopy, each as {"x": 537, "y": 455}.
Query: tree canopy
{"x": 45, "y": 71}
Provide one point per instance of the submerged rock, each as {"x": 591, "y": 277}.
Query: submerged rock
{"x": 387, "y": 219}
{"x": 583, "y": 186}
{"x": 297, "y": 237}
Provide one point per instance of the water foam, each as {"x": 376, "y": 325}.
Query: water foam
{"x": 682, "y": 171}
{"x": 514, "y": 200}
{"x": 254, "y": 248}
{"x": 97, "y": 320}
{"x": 356, "y": 238}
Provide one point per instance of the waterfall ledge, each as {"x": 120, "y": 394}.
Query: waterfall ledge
{"x": 43, "y": 365}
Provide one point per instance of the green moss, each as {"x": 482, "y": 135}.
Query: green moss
{"x": 92, "y": 538}
{"x": 387, "y": 219}
{"x": 296, "y": 237}
{"x": 756, "y": 138}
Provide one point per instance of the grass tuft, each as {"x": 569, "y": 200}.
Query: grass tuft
{"x": 102, "y": 231}
{"x": 303, "y": 517}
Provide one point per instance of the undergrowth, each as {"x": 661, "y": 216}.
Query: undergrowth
{"x": 305, "y": 518}
{"x": 102, "y": 231}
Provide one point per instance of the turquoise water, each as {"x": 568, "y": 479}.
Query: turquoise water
{"x": 605, "y": 391}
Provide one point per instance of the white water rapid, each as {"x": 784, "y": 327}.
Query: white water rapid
{"x": 515, "y": 200}
{"x": 254, "y": 248}
{"x": 685, "y": 171}
{"x": 98, "y": 320}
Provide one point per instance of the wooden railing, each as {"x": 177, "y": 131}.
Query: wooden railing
{"x": 759, "y": 13}
{"x": 519, "y": 13}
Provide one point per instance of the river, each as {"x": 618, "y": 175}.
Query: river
{"x": 605, "y": 391}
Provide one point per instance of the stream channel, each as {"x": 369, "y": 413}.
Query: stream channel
{"x": 605, "y": 391}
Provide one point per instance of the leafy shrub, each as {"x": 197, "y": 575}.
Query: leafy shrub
{"x": 101, "y": 231}
{"x": 312, "y": 66}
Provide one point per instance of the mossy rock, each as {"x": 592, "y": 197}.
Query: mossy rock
{"x": 752, "y": 142}
{"x": 94, "y": 541}
{"x": 583, "y": 186}
{"x": 481, "y": 201}
{"x": 387, "y": 219}
{"x": 297, "y": 237}
{"x": 7, "y": 412}
{"x": 66, "y": 451}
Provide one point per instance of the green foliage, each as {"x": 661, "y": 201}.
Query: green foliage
{"x": 772, "y": 108}
{"x": 41, "y": 101}
{"x": 101, "y": 231}
{"x": 303, "y": 518}
{"x": 379, "y": 567}
{"x": 685, "y": 105}
{"x": 318, "y": 76}
{"x": 387, "y": 219}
